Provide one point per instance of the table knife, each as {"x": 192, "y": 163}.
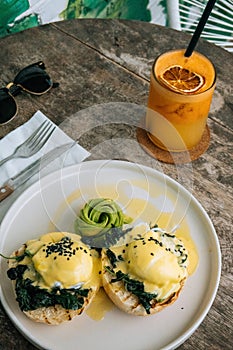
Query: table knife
{"x": 20, "y": 178}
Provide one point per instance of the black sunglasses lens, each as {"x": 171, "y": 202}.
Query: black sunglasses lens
{"x": 8, "y": 107}
{"x": 34, "y": 79}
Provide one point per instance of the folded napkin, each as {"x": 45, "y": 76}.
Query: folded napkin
{"x": 74, "y": 155}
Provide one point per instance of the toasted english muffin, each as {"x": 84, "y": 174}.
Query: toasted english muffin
{"x": 145, "y": 275}
{"x": 58, "y": 274}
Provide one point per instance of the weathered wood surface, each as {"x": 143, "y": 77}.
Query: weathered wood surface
{"x": 108, "y": 61}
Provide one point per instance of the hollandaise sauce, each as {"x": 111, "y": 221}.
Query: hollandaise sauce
{"x": 99, "y": 306}
{"x": 153, "y": 266}
{"x": 140, "y": 208}
{"x": 162, "y": 262}
{"x": 56, "y": 268}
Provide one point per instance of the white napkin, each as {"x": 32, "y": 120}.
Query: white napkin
{"x": 74, "y": 155}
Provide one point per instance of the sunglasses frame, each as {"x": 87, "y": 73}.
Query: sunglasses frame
{"x": 17, "y": 88}
{"x": 14, "y": 100}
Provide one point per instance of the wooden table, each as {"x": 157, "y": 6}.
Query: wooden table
{"x": 107, "y": 62}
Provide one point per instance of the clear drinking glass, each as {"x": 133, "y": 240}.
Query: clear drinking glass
{"x": 177, "y": 115}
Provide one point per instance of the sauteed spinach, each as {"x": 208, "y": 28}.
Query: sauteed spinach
{"x": 131, "y": 285}
{"x": 32, "y": 297}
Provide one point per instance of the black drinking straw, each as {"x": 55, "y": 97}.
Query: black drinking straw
{"x": 199, "y": 28}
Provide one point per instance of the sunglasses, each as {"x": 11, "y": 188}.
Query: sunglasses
{"x": 32, "y": 79}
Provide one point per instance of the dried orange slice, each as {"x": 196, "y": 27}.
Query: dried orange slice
{"x": 182, "y": 80}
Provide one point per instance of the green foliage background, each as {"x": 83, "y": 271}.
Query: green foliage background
{"x": 124, "y": 9}
{"x": 17, "y": 15}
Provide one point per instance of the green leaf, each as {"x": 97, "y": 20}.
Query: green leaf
{"x": 32, "y": 297}
{"x": 131, "y": 285}
{"x": 137, "y": 288}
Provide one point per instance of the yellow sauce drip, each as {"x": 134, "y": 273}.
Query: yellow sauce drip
{"x": 99, "y": 306}
{"x": 183, "y": 233}
{"x": 138, "y": 208}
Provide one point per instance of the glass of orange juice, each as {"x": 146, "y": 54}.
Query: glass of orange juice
{"x": 181, "y": 90}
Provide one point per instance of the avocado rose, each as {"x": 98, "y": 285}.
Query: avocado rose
{"x": 100, "y": 222}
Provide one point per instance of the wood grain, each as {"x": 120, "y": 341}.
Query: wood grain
{"x": 99, "y": 62}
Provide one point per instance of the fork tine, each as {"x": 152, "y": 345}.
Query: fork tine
{"x": 43, "y": 138}
{"x": 34, "y": 142}
{"x": 35, "y": 133}
{"x": 40, "y": 134}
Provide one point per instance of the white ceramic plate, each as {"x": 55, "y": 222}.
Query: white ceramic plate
{"x": 55, "y": 200}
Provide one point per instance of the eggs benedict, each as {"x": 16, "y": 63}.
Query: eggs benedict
{"x": 147, "y": 274}
{"x": 55, "y": 277}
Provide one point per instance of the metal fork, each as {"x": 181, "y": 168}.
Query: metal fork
{"x": 34, "y": 143}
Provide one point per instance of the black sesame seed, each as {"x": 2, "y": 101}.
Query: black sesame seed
{"x": 120, "y": 257}
{"x": 152, "y": 254}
